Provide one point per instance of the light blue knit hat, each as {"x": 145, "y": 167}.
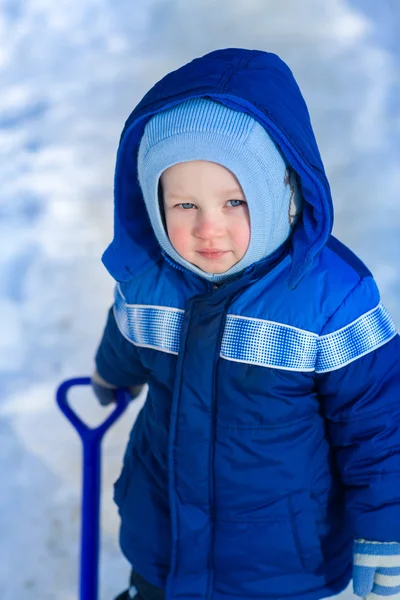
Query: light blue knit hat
{"x": 201, "y": 129}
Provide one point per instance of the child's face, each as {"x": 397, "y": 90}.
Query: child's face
{"x": 206, "y": 214}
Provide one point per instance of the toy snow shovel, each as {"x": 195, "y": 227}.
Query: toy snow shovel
{"x": 90, "y": 515}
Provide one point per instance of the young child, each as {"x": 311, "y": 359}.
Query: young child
{"x": 265, "y": 463}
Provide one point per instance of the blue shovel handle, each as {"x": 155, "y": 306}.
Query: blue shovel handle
{"x": 90, "y": 521}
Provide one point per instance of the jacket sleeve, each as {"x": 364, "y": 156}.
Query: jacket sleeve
{"x": 358, "y": 379}
{"x": 117, "y": 359}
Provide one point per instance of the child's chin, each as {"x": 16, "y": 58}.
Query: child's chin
{"x": 217, "y": 269}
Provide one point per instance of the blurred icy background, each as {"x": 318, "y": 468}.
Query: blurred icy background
{"x": 70, "y": 73}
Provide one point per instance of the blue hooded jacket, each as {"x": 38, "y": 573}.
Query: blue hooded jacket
{"x": 269, "y": 438}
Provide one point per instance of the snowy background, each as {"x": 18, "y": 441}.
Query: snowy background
{"x": 70, "y": 73}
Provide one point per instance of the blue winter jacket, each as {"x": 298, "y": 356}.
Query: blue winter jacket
{"x": 270, "y": 434}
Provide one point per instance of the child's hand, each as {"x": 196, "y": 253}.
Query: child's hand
{"x": 106, "y": 392}
{"x": 376, "y": 569}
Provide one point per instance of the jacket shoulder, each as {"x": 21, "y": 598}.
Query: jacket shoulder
{"x": 344, "y": 259}
{"x": 160, "y": 285}
{"x": 329, "y": 285}
{"x": 342, "y": 281}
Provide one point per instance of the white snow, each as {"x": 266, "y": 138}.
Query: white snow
{"x": 70, "y": 74}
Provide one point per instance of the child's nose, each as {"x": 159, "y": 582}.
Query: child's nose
{"x": 208, "y": 226}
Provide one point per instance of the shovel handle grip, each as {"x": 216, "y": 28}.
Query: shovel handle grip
{"x": 84, "y": 431}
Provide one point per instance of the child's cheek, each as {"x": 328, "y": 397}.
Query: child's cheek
{"x": 241, "y": 235}
{"x": 179, "y": 237}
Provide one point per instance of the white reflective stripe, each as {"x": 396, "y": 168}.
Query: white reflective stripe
{"x": 268, "y": 344}
{"x": 148, "y": 326}
{"x": 259, "y": 341}
{"x": 373, "y": 560}
{"x": 387, "y": 580}
{"x": 367, "y": 333}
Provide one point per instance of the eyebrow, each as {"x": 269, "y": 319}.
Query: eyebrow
{"x": 232, "y": 191}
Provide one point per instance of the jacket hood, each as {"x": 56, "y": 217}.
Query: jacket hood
{"x": 252, "y": 81}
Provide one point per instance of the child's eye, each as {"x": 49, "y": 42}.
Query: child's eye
{"x": 234, "y": 203}
{"x": 186, "y": 205}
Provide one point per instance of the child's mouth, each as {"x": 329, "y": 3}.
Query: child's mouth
{"x": 212, "y": 254}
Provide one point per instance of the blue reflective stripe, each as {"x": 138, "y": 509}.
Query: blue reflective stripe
{"x": 367, "y": 333}
{"x": 268, "y": 344}
{"x": 156, "y": 327}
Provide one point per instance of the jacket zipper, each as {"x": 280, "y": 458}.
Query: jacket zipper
{"x": 212, "y": 450}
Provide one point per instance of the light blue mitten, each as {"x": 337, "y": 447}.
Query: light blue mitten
{"x": 376, "y": 570}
